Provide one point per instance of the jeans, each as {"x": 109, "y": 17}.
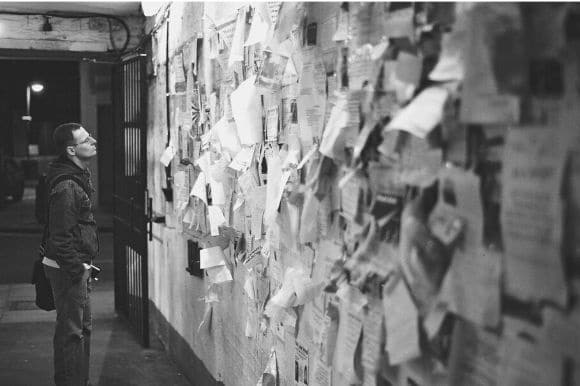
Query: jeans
{"x": 72, "y": 336}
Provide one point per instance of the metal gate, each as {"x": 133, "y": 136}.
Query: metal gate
{"x": 130, "y": 219}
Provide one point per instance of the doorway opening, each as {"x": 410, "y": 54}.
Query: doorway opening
{"x": 35, "y": 96}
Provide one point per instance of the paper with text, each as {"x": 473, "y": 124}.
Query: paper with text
{"x": 531, "y": 214}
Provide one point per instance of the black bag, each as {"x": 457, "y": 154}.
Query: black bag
{"x": 44, "y": 296}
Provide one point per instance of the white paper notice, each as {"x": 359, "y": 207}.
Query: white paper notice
{"x": 167, "y": 155}
{"x": 273, "y": 188}
{"x": 218, "y": 274}
{"x": 258, "y": 30}
{"x": 199, "y": 188}
{"x": 531, "y": 214}
{"x": 255, "y": 207}
{"x": 312, "y": 98}
{"x": 237, "y": 47}
{"x": 423, "y": 113}
{"x": 211, "y": 257}
{"x": 216, "y": 218}
{"x": 181, "y": 184}
{"x": 247, "y": 112}
{"x": 228, "y": 136}
{"x": 342, "y": 26}
{"x": 204, "y": 162}
{"x": 218, "y": 195}
{"x": 401, "y": 322}
{"x": 272, "y": 124}
{"x": 349, "y": 329}
{"x": 372, "y": 336}
{"x": 248, "y": 181}
{"x": 333, "y": 139}
{"x": 243, "y": 159}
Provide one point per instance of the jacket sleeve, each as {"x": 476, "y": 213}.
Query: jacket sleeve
{"x": 63, "y": 219}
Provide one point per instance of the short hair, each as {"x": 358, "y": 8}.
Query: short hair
{"x": 63, "y": 136}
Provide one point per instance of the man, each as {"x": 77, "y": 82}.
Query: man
{"x": 71, "y": 246}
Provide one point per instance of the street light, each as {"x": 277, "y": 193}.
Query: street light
{"x": 35, "y": 87}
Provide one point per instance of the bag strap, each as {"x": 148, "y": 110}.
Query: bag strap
{"x": 56, "y": 181}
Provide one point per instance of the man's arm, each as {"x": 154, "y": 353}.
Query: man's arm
{"x": 63, "y": 219}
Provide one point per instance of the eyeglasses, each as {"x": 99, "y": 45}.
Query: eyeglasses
{"x": 87, "y": 141}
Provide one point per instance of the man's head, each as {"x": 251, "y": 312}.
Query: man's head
{"x": 73, "y": 141}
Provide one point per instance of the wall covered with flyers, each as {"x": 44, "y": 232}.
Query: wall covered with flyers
{"x": 375, "y": 193}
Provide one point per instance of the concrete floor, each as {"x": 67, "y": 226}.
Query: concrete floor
{"x": 26, "y": 332}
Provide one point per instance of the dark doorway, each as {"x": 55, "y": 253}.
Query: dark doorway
{"x": 58, "y": 102}
{"x": 26, "y": 146}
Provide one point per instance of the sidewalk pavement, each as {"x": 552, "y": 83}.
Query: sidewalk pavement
{"x": 117, "y": 359}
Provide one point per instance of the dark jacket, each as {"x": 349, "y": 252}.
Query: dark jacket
{"x": 72, "y": 231}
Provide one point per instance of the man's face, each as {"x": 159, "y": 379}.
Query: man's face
{"x": 84, "y": 146}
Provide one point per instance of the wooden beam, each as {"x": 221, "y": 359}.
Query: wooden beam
{"x": 75, "y": 34}
{"x": 22, "y": 54}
